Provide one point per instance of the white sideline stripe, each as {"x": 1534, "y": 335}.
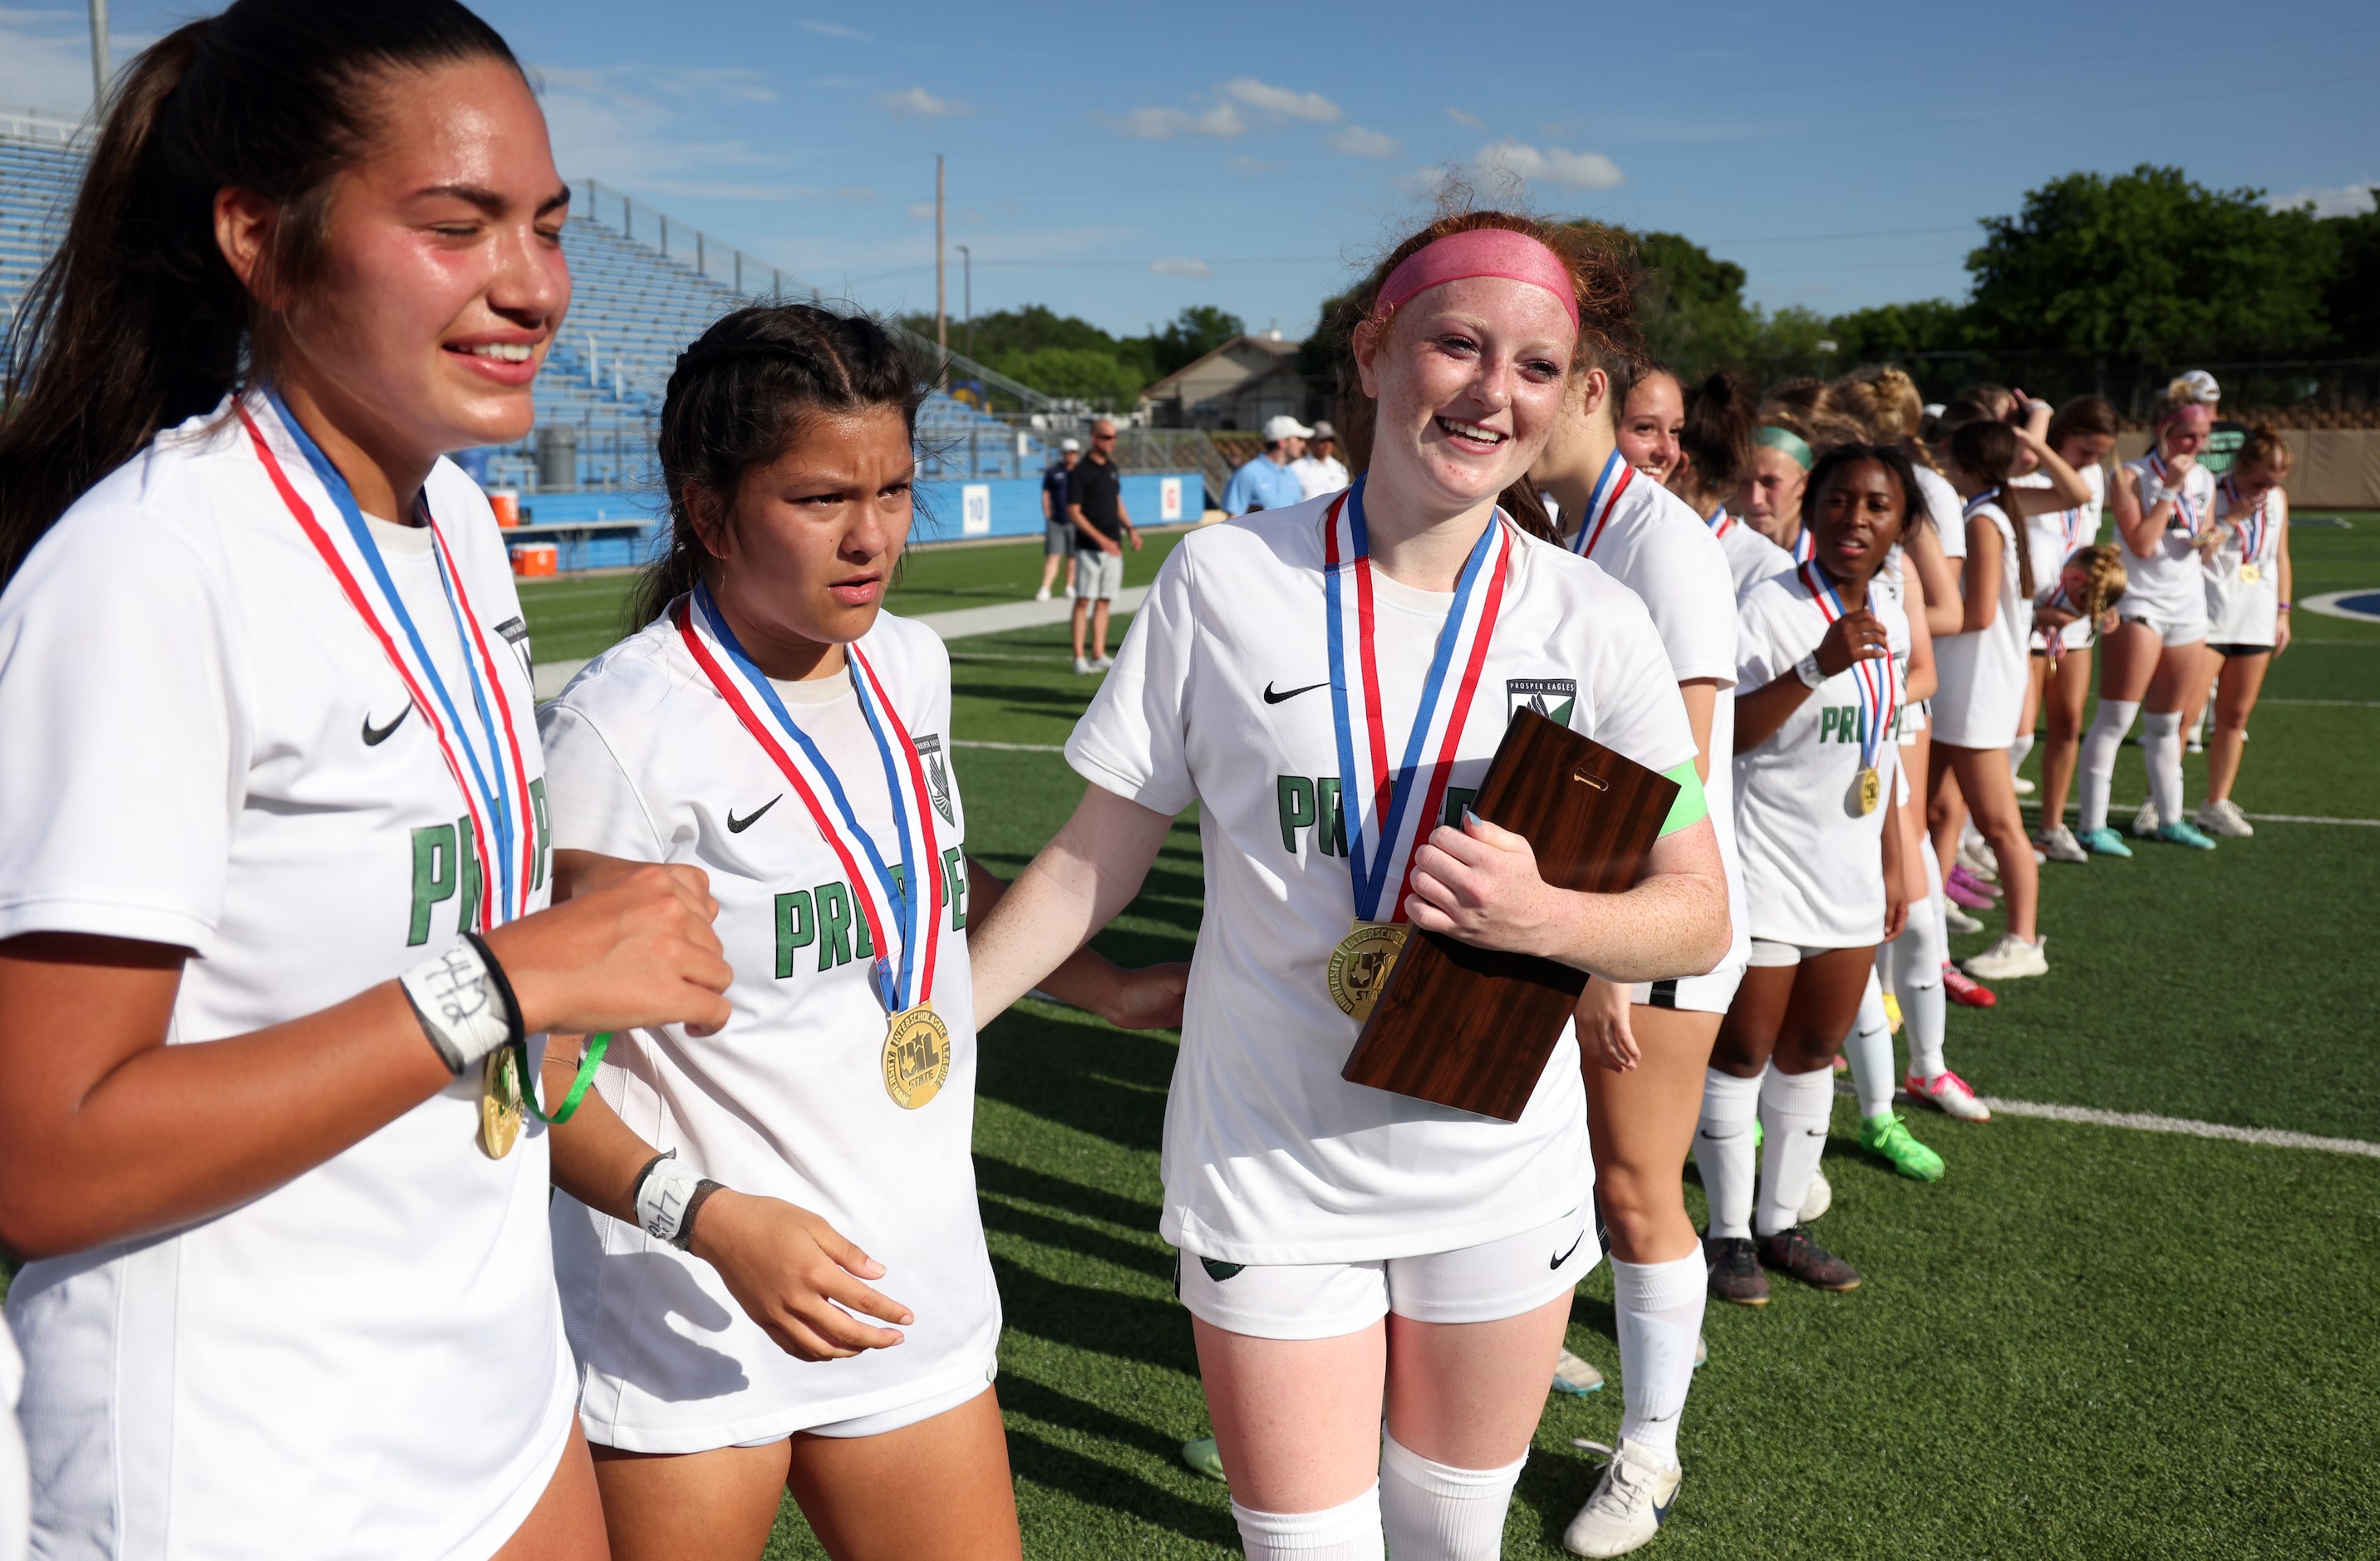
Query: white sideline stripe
{"x": 2150, "y": 1122}
{"x": 2116, "y": 808}
{"x": 1010, "y": 747}
{"x": 2344, "y": 704}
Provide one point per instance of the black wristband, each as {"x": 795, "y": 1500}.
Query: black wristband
{"x": 516, "y": 1034}
{"x": 684, "y": 1240}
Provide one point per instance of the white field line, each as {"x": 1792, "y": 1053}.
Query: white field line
{"x": 2150, "y": 1122}
{"x": 2115, "y": 809}
{"x": 2344, "y": 704}
{"x": 1010, "y": 747}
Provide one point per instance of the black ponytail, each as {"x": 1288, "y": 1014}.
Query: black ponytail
{"x": 1717, "y": 433}
{"x": 1988, "y": 452}
{"x": 137, "y": 322}
{"x": 740, "y": 396}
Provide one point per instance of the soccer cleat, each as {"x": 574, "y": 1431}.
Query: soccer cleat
{"x": 2144, "y": 823}
{"x": 1042, "y": 594}
{"x": 2009, "y": 959}
{"x": 1821, "y": 1197}
{"x": 1735, "y": 1271}
{"x": 1792, "y": 1251}
{"x": 1203, "y": 1456}
{"x": 2225, "y": 818}
{"x": 1082, "y": 666}
{"x": 1949, "y": 1094}
{"x": 1887, "y": 1137}
{"x": 1966, "y": 992}
{"x": 1103, "y": 664}
{"x": 1631, "y": 1503}
{"x": 2181, "y": 832}
{"x": 1959, "y": 921}
{"x": 2103, "y": 842}
{"x": 2023, "y": 786}
{"x": 1964, "y": 888}
{"x": 1976, "y": 856}
{"x": 2060, "y": 845}
{"x": 1843, "y": 1062}
{"x": 1975, "y": 885}
{"x": 1701, "y": 1352}
{"x": 1576, "y": 1377}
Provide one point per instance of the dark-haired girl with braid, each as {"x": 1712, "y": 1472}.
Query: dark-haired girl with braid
{"x": 274, "y": 957}
{"x": 772, "y": 1266}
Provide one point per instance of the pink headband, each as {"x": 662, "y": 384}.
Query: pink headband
{"x": 1480, "y": 252}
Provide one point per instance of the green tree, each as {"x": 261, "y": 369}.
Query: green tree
{"x": 1689, "y": 305}
{"x": 2353, "y": 301}
{"x": 1076, "y": 373}
{"x": 1196, "y": 331}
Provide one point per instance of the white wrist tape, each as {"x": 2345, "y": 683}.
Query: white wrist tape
{"x": 1808, "y": 670}
{"x": 460, "y": 1003}
{"x": 666, "y": 1197}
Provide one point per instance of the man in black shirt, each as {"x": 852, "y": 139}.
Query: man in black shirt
{"x": 1095, "y": 504}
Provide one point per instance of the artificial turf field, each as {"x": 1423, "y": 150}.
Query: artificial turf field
{"x": 2085, "y": 1341}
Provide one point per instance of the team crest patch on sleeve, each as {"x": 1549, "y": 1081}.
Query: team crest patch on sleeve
{"x": 937, "y": 775}
{"x": 1549, "y": 697}
{"x": 516, "y": 633}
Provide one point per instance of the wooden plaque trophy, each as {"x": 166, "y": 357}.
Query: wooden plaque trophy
{"x": 1472, "y": 1027}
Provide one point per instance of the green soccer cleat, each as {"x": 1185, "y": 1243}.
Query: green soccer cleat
{"x": 1887, "y": 1137}
{"x": 2181, "y": 833}
{"x": 1203, "y": 1456}
{"x": 2103, "y": 842}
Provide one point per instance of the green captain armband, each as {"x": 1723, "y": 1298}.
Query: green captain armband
{"x": 1692, "y": 806}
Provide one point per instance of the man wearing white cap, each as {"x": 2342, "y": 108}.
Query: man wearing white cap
{"x": 1267, "y": 482}
{"x": 1319, "y": 470}
{"x": 1057, "y": 532}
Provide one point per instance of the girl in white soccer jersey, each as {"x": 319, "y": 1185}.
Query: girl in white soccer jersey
{"x": 1816, "y": 797}
{"x": 1651, "y": 410}
{"x": 2082, "y": 433}
{"x": 2163, "y": 504}
{"x": 273, "y": 828}
{"x": 1336, "y": 1239}
{"x": 1716, "y": 439}
{"x": 772, "y": 1266}
{"x": 2246, "y": 556}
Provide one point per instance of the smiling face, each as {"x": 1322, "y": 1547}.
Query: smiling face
{"x": 1860, "y": 514}
{"x": 1648, "y": 427}
{"x": 805, "y": 548}
{"x": 442, "y": 282}
{"x": 1770, "y": 496}
{"x": 1469, "y": 378}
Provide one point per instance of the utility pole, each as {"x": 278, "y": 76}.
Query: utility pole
{"x": 966, "y": 292}
{"x": 942, "y": 304}
{"x": 98, "y": 57}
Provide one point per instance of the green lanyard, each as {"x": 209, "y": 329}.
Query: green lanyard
{"x": 524, "y": 1083}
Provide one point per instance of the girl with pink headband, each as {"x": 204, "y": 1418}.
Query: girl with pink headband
{"x": 1326, "y": 682}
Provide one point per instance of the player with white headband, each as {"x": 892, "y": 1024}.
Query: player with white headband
{"x": 1343, "y": 1247}
{"x": 2248, "y": 584}
{"x": 274, "y": 960}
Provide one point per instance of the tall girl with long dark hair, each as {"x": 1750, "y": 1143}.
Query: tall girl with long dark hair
{"x": 272, "y": 827}
{"x": 1715, "y": 459}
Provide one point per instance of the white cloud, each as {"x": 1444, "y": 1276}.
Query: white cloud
{"x": 1248, "y": 164}
{"x": 2332, "y": 200}
{"x": 836, "y": 30}
{"x": 1184, "y": 265}
{"x": 1552, "y": 165}
{"x": 1468, "y": 121}
{"x": 1313, "y": 107}
{"x": 1357, "y": 141}
{"x": 923, "y": 103}
{"x": 1164, "y": 124}
{"x": 614, "y": 125}
{"x": 921, "y": 210}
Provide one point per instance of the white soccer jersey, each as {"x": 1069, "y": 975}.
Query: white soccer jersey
{"x": 1751, "y": 557}
{"x": 1221, "y": 696}
{"x": 203, "y": 744}
{"x": 1812, "y": 862}
{"x": 649, "y": 762}
{"x": 2168, "y": 585}
{"x": 2243, "y": 576}
{"x": 2053, "y": 535}
{"x": 1652, "y": 541}
{"x": 1979, "y": 695}
{"x": 1942, "y": 506}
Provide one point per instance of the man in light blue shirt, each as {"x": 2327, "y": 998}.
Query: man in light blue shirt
{"x": 1267, "y": 482}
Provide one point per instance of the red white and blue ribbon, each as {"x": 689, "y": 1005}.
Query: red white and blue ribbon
{"x": 2185, "y": 517}
{"x": 493, "y": 777}
{"x": 1610, "y": 484}
{"x": 2252, "y": 529}
{"x": 904, "y": 907}
{"x": 1719, "y": 522}
{"x": 1877, "y": 677}
{"x": 1805, "y": 546}
{"x": 1377, "y": 794}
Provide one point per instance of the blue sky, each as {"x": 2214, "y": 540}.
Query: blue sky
{"x": 1121, "y": 162}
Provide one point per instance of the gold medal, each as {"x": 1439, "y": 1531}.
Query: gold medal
{"x": 2250, "y": 573}
{"x": 917, "y": 1057}
{"x": 1871, "y": 789}
{"x": 500, "y": 1104}
{"x": 1358, "y": 971}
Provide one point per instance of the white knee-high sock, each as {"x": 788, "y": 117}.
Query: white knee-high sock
{"x": 1435, "y": 1512}
{"x": 1869, "y": 1047}
{"x": 1794, "y": 1110}
{"x": 2164, "y": 733}
{"x": 1723, "y": 1149}
{"x": 1922, "y": 1011}
{"x": 1940, "y": 925}
{"x": 1347, "y": 1532}
{"x": 1660, "y": 1309}
{"x": 2018, "y": 750}
{"x": 2098, "y": 765}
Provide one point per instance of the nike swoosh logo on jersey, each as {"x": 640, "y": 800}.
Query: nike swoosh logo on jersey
{"x": 738, "y": 826}
{"x": 1565, "y": 1257}
{"x": 1272, "y": 698}
{"x": 375, "y": 735}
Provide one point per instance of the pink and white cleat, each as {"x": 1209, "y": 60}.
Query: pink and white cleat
{"x": 1949, "y": 1094}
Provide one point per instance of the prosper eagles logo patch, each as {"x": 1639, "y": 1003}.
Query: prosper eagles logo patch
{"x": 1549, "y": 697}
{"x": 938, "y": 776}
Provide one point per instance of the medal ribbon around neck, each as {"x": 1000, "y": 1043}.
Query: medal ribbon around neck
{"x": 1383, "y": 826}
{"x": 912, "y": 982}
{"x": 2250, "y": 529}
{"x": 490, "y": 791}
{"x": 1719, "y": 522}
{"x": 1805, "y": 548}
{"x": 1610, "y": 483}
{"x": 1873, "y": 674}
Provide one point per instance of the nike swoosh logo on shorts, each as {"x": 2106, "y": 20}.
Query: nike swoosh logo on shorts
{"x": 738, "y": 826}
{"x": 1565, "y": 1257}
{"x": 375, "y": 735}
{"x": 1272, "y": 698}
